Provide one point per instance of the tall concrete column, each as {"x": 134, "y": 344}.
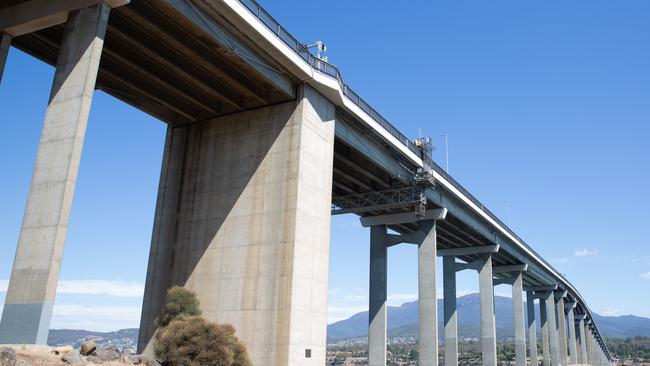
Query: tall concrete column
{"x": 587, "y": 334}
{"x": 543, "y": 315}
{"x": 34, "y": 277}
{"x": 428, "y": 303}
{"x": 580, "y": 336}
{"x": 552, "y": 333}
{"x": 243, "y": 219}
{"x": 378, "y": 296}
{"x": 561, "y": 332}
{"x": 532, "y": 327}
{"x": 450, "y": 316}
{"x": 5, "y": 43}
{"x": 573, "y": 350}
{"x": 518, "y": 318}
{"x": 488, "y": 323}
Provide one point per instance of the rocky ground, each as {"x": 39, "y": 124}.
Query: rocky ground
{"x": 88, "y": 354}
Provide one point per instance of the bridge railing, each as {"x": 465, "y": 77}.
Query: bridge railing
{"x": 328, "y": 69}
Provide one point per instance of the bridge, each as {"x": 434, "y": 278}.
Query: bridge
{"x": 265, "y": 141}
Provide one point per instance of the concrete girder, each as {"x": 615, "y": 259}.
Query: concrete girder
{"x": 468, "y": 250}
{"x": 5, "y": 43}
{"x": 33, "y": 15}
{"x": 402, "y": 218}
{"x": 236, "y": 47}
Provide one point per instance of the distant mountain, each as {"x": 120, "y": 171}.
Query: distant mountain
{"x": 402, "y": 321}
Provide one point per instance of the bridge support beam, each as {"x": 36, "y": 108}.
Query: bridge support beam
{"x": 243, "y": 219}
{"x": 573, "y": 350}
{"x": 32, "y": 288}
{"x": 425, "y": 238}
{"x": 532, "y": 327}
{"x": 450, "y": 315}
{"x": 561, "y": 329}
{"x": 552, "y": 333}
{"x": 488, "y": 322}
{"x": 543, "y": 315}
{"x": 377, "y": 296}
{"x": 580, "y": 339}
{"x": 518, "y": 318}
{"x": 428, "y": 303}
{"x": 5, "y": 43}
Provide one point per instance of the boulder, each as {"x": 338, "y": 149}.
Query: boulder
{"x": 72, "y": 359}
{"x": 88, "y": 347}
{"x": 63, "y": 350}
{"x": 110, "y": 353}
{"x": 143, "y": 360}
{"x": 7, "y": 356}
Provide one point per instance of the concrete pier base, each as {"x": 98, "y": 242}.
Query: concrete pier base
{"x": 488, "y": 322}
{"x": 450, "y": 315}
{"x": 532, "y": 327}
{"x": 518, "y": 319}
{"x": 428, "y": 303}
{"x": 377, "y": 297}
{"x": 580, "y": 327}
{"x": 35, "y": 274}
{"x": 5, "y": 43}
{"x": 243, "y": 219}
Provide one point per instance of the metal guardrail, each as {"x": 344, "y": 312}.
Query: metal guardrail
{"x": 328, "y": 69}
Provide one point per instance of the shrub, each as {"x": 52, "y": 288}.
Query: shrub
{"x": 194, "y": 341}
{"x": 180, "y": 302}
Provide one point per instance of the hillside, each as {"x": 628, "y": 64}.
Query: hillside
{"x": 402, "y": 321}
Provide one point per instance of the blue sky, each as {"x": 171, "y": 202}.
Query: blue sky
{"x": 546, "y": 104}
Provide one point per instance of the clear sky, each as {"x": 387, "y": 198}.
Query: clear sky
{"x": 547, "y": 108}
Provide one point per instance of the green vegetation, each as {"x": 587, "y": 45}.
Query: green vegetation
{"x": 185, "y": 338}
{"x": 625, "y": 348}
{"x": 179, "y": 303}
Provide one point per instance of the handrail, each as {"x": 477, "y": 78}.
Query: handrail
{"x": 326, "y": 68}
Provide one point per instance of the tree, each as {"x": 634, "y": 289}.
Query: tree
{"x": 180, "y": 302}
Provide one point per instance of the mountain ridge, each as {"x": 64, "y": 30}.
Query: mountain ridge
{"x": 402, "y": 321}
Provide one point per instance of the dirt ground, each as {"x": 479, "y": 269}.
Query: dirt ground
{"x": 44, "y": 356}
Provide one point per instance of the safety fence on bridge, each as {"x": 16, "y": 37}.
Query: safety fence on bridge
{"x": 328, "y": 69}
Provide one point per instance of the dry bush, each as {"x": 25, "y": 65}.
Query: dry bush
{"x": 179, "y": 302}
{"x": 194, "y": 341}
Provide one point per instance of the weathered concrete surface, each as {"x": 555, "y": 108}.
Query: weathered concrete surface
{"x": 488, "y": 322}
{"x": 532, "y": 327}
{"x": 428, "y": 303}
{"x": 243, "y": 219}
{"x": 5, "y": 43}
{"x": 377, "y": 329}
{"x": 451, "y": 314}
{"x": 518, "y": 318}
{"x": 32, "y": 288}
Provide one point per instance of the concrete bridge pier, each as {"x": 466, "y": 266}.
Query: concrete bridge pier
{"x": 532, "y": 327}
{"x": 580, "y": 339}
{"x": 488, "y": 321}
{"x": 573, "y": 349}
{"x": 5, "y": 43}
{"x": 243, "y": 219}
{"x": 563, "y": 358}
{"x": 377, "y": 315}
{"x": 34, "y": 278}
{"x": 518, "y": 317}
{"x": 543, "y": 315}
{"x": 552, "y": 333}
{"x": 450, "y": 319}
{"x": 380, "y": 240}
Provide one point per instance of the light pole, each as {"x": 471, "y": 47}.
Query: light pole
{"x": 446, "y": 153}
